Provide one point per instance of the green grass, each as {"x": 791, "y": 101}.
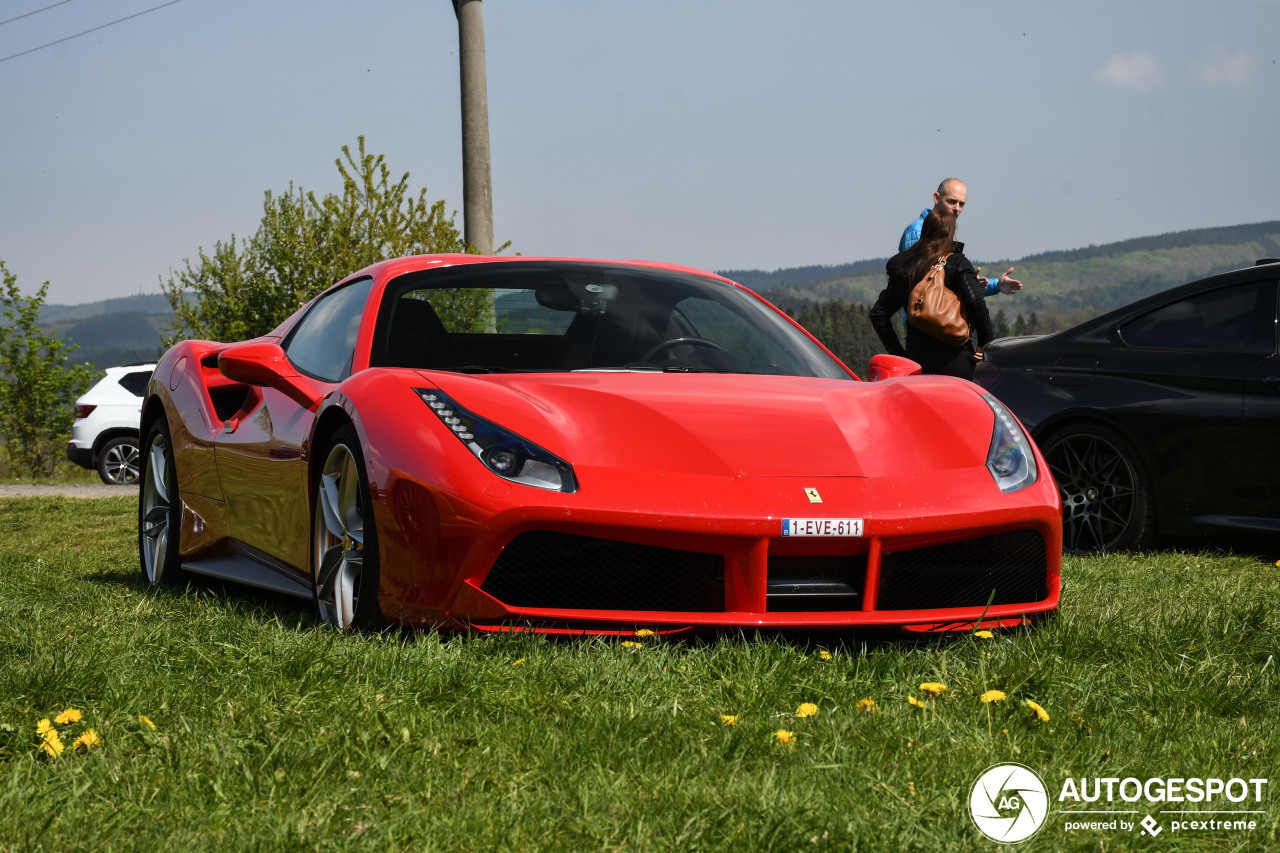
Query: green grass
{"x": 272, "y": 733}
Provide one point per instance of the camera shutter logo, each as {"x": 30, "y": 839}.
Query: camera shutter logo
{"x": 1009, "y": 803}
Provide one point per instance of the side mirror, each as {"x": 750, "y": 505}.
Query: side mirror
{"x": 891, "y": 367}
{"x": 264, "y": 365}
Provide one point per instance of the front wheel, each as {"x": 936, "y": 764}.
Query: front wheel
{"x": 158, "y": 507}
{"x": 344, "y": 548}
{"x": 1106, "y": 497}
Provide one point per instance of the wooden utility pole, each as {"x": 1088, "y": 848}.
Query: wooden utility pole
{"x": 477, "y": 189}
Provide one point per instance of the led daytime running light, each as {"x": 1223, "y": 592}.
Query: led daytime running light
{"x": 504, "y": 453}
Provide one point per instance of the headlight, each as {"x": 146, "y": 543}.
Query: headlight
{"x": 502, "y": 451}
{"x": 1010, "y": 459}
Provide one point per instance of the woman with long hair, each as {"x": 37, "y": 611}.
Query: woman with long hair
{"x": 905, "y": 270}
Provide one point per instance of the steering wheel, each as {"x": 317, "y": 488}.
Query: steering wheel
{"x": 675, "y": 342}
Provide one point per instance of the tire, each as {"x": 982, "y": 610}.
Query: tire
{"x": 118, "y": 461}
{"x": 159, "y": 525}
{"x": 344, "y": 549}
{"x": 1106, "y": 494}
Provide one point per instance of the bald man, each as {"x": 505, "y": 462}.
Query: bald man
{"x": 950, "y": 197}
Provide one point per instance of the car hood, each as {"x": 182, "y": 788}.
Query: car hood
{"x": 737, "y": 425}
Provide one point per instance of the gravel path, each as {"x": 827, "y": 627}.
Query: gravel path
{"x": 69, "y": 490}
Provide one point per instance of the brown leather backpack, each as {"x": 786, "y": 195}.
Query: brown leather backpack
{"x": 935, "y": 309}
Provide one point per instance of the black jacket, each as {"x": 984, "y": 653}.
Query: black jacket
{"x": 960, "y": 277}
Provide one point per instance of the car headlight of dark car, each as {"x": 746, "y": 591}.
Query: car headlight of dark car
{"x": 502, "y": 451}
{"x": 1010, "y": 459}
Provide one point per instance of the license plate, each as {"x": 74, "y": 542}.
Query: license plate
{"x": 821, "y": 527}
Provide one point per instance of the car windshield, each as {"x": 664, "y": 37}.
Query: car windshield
{"x": 565, "y": 316}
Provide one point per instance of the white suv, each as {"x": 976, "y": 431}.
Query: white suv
{"x": 105, "y": 433}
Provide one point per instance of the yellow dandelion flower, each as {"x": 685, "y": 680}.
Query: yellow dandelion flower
{"x": 784, "y": 736}
{"x": 88, "y": 740}
{"x": 44, "y": 726}
{"x": 628, "y": 644}
{"x": 71, "y": 715}
{"x": 914, "y": 701}
{"x": 146, "y": 721}
{"x": 729, "y": 719}
{"x": 1040, "y": 712}
{"x": 933, "y": 687}
{"x": 806, "y": 709}
{"x": 824, "y": 654}
{"x": 644, "y": 632}
{"x": 51, "y": 743}
{"x": 986, "y": 635}
{"x": 518, "y": 662}
{"x": 867, "y": 705}
{"x": 992, "y": 696}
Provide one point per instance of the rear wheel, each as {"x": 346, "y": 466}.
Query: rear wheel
{"x": 1106, "y": 496}
{"x": 118, "y": 461}
{"x": 158, "y": 507}
{"x": 344, "y": 541}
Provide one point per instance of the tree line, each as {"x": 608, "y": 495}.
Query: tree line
{"x": 845, "y": 329}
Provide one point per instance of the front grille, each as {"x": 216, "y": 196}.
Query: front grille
{"x": 964, "y": 574}
{"x": 815, "y": 584}
{"x": 560, "y": 570}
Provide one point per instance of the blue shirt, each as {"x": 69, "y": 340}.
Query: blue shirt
{"x": 911, "y": 236}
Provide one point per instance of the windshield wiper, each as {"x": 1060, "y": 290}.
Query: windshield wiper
{"x": 678, "y": 369}
{"x": 481, "y": 368}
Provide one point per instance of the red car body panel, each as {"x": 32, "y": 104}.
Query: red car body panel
{"x": 696, "y": 463}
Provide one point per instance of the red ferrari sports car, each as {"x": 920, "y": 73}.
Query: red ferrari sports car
{"x": 506, "y": 444}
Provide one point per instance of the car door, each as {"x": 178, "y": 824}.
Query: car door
{"x": 1262, "y": 422}
{"x": 259, "y": 458}
{"x": 1186, "y": 364}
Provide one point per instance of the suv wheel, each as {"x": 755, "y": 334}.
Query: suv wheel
{"x": 118, "y": 462}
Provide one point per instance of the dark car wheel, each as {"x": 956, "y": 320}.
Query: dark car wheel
{"x": 118, "y": 461}
{"x": 344, "y": 549}
{"x": 158, "y": 508}
{"x": 1106, "y": 497}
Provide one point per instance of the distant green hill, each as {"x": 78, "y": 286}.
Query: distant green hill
{"x": 1060, "y": 287}
{"x": 111, "y": 332}
{"x": 147, "y": 303}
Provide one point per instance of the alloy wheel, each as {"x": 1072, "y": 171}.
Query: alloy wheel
{"x": 1099, "y": 489}
{"x": 120, "y": 463}
{"x": 338, "y": 538}
{"x": 155, "y": 509}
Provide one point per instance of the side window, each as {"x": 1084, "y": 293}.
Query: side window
{"x": 1231, "y": 319}
{"x": 135, "y": 382}
{"x": 323, "y": 344}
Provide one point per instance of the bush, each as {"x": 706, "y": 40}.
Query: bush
{"x": 37, "y": 386}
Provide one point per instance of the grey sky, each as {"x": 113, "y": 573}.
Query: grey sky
{"x": 743, "y": 134}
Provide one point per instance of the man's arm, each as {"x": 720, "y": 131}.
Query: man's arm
{"x": 1003, "y": 284}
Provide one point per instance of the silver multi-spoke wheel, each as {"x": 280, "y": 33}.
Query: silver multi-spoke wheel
{"x": 118, "y": 465}
{"x": 338, "y": 539}
{"x": 157, "y": 508}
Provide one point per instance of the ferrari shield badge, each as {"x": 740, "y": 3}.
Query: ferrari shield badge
{"x": 813, "y": 496}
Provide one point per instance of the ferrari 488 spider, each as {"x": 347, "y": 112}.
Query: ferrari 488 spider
{"x": 510, "y": 443}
